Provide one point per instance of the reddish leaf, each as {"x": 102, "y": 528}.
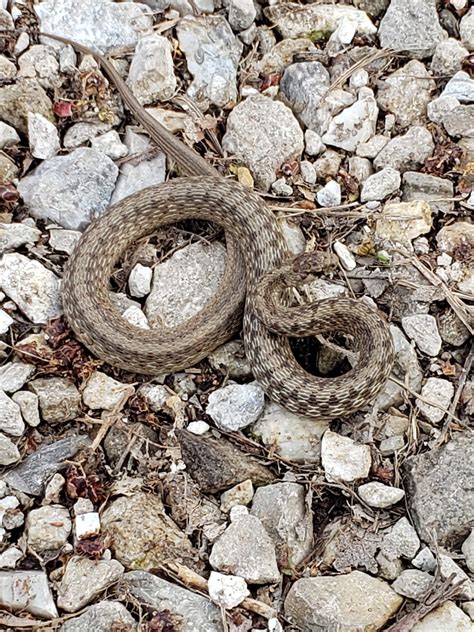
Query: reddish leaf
{"x": 272, "y": 79}
{"x": 63, "y": 109}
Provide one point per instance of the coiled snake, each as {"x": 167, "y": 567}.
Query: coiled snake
{"x": 256, "y": 263}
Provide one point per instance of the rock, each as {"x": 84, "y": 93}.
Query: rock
{"x": 439, "y": 490}
{"x": 380, "y": 496}
{"x": 20, "y": 98}
{"x": 406, "y": 93}
{"x": 236, "y": 406}
{"x": 215, "y": 464}
{"x": 27, "y": 591}
{"x": 468, "y": 550}
{"x": 448, "y": 57}
{"x": 304, "y": 86}
{"x": 53, "y": 489}
{"x": 110, "y": 145}
{"x": 151, "y": 75}
{"x": 421, "y": 186}
{"x": 32, "y": 287}
{"x": 343, "y": 459}
{"x": 372, "y": 147}
{"x": 85, "y": 579}
{"x": 327, "y": 166}
{"x": 413, "y": 584}
{"x": 184, "y": 283}
{"x": 445, "y": 617}
{"x": 70, "y": 190}
{"x": 135, "y": 177}
{"x": 43, "y": 136}
{"x": 461, "y": 87}
{"x": 283, "y": 511}
{"x": 86, "y": 525}
{"x": 28, "y": 403}
{"x": 425, "y": 560}
{"x": 101, "y": 617}
{"x": 400, "y": 222}
{"x": 308, "y": 172}
{"x": 240, "y": 494}
{"x": 155, "y": 396}
{"x": 355, "y": 124}
{"x": 33, "y": 472}
{"x": 456, "y": 236}
{"x": 423, "y": 330}
{"x": 48, "y": 528}
{"x": 9, "y": 171}
{"x": 84, "y": 132}
{"x": 63, "y": 240}
{"x": 139, "y": 280}
{"x": 143, "y": 535}
{"x": 8, "y": 135}
{"x": 198, "y": 427}
{"x": 10, "y": 557}
{"x": 230, "y": 357}
{"x": 40, "y": 62}
{"x": 13, "y": 236}
{"x": 460, "y": 121}
{"x": 313, "y": 143}
{"x": 439, "y": 391}
{"x": 193, "y": 611}
{"x": 8, "y": 70}
{"x": 411, "y": 26}
{"x": 439, "y": 108}
{"x": 9, "y": 453}
{"x": 98, "y": 24}
{"x": 387, "y": 568}
{"x": 391, "y": 445}
{"x": 245, "y": 549}
{"x": 406, "y": 152}
{"x": 59, "y": 398}
{"x": 355, "y": 601}
{"x": 11, "y": 421}
{"x": 212, "y": 54}
{"x": 330, "y": 194}
{"x": 360, "y": 168}
{"x": 14, "y": 375}
{"x": 345, "y": 255}
{"x": 242, "y": 13}
{"x": 281, "y": 188}
{"x": 452, "y": 329}
{"x": 317, "y": 19}
{"x": 448, "y": 567}
{"x": 276, "y": 137}
{"x": 466, "y": 29}
{"x": 380, "y": 185}
{"x": 103, "y": 392}
{"x": 401, "y": 540}
{"x": 294, "y": 437}
{"x": 226, "y": 591}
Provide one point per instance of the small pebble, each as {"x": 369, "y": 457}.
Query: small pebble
{"x": 330, "y": 194}
{"x": 345, "y": 255}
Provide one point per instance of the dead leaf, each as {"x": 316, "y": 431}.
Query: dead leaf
{"x": 245, "y": 177}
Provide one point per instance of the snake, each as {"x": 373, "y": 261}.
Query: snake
{"x": 251, "y": 294}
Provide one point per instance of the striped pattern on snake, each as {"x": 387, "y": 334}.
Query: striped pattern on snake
{"x": 256, "y": 257}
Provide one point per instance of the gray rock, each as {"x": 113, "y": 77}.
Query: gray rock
{"x": 406, "y": 93}
{"x": 48, "y": 528}
{"x": 43, "y": 136}
{"x": 425, "y": 560}
{"x": 103, "y": 392}
{"x": 279, "y": 56}
{"x": 401, "y": 541}
{"x": 20, "y": 98}
{"x": 461, "y": 87}
{"x": 263, "y": 134}
{"x": 438, "y": 108}
{"x": 8, "y": 134}
{"x": 236, "y": 406}
{"x": 448, "y": 57}
{"x": 423, "y": 329}
{"x": 327, "y": 166}
{"x": 448, "y": 567}
{"x": 355, "y": 601}
{"x": 137, "y": 176}
{"x": 360, "y": 168}
{"x": 101, "y": 617}
{"x": 422, "y": 186}
{"x": 184, "y": 283}
{"x": 64, "y": 240}
{"x": 313, "y": 143}
{"x": 70, "y": 190}
{"x": 98, "y": 24}
{"x": 195, "y": 612}
{"x": 139, "y": 280}
{"x": 287, "y": 518}
{"x": 343, "y": 459}
{"x": 372, "y": 147}
{"x": 231, "y": 358}
{"x": 406, "y": 152}
{"x": 413, "y": 584}
{"x": 85, "y": 579}
{"x": 8, "y": 70}
{"x": 28, "y": 591}
{"x": 59, "y": 398}
{"x": 458, "y": 235}
{"x": 242, "y": 13}
{"x": 355, "y": 124}
{"x": 281, "y": 188}
{"x": 9, "y": 453}
{"x": 446, "y": 617}
{"x": 411, "y": 26}
{"x": 379, "y": 495}
{"x": 84, "y": 132}
{"x": 212, "y": 54}
{"x": 39, "y": 62}
{"x": 11, "y": 421}
{"x": 380, "y": 185}
{"x": 391, "y": 445}
{"x": 303, "y": 86}
{"x": 440, "y": 491}
{"x": 468, "y": 550}
{"x": 13, "y": 375}
{"x": 460, "y": 121}
{"x": 466, "y": 29}
{"x": 437, "y": 390}
{"x": 308, "y": 172}
{"x": 34, "y": 471}
{"x": 151, "y": 74}
{"x": 29, "y": 407}
{"x": 330, "y": 194}
{"x": 110, "y": 145}
{"x": 31, "y": 286}
{"x": 245, "y": 549}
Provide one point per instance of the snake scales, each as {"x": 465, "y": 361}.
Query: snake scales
{"x": 255, "y": 251}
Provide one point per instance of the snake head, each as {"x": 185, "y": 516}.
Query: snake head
{"x": 305, "y": 267}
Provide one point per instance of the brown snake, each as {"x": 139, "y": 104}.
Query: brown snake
{"x": 256, "y": 252}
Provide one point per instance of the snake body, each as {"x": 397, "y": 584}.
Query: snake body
{"x": 255, "y": 249}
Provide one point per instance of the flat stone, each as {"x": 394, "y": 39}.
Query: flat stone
{"x": 355, "y": 124}
{"x": 461, "y": 87}
{"x": 380, "y": 185}
{"x": 343, "y": 459}
{"x": 460, "y": 121}
{"x": 379, "y": 495}
{"x": 103, "y": 392}
{"x": 422, "y": 186}
{"x": 14, "y": 375}
{"x": 84, "y": 132}
{"x": 184, "y": 283}
{"x": 8, "y": 70}
{"x": 245, "y": 549}
{"x": 151, "y": 75}
{"x": 438, "y": 484}
{"x": 406, "y": 152}
{"x": 48, "y": 528}
{"x": 411, "y": 26}
{"x": 236, "y": 406}
{"x": 20, "y": 98}
{"x": 448, "y": 57}
{"x": 401, "y": 222}
{"x": 452, "y": 330}
{"x": 59, "y": 398}
{"x": 437, "y": 390}
{"x": 423, "y": 330}
{"x": 355, "y": 601}
{"x": 31, "y": 286}
{"x": 438, "y": 108}
{"x": 14, "y": 235}
{"x": 29, "y": 407}
{"x": 446, "y": 617}
{"x": 28, "y": 591}
{"x": 70, "y": 190}
{"x": 85, "y": 579}
{"x": 283, "y": 511}
{"x": 64, "y": 240}
{"x": 101, "y": 617}
{"x": 276, "y": 137}
{"x": 413, "y": 584}
{"x": 194, "y": 612}
{"x": 400, "y": 541}
{"x": 11, "y": 421}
